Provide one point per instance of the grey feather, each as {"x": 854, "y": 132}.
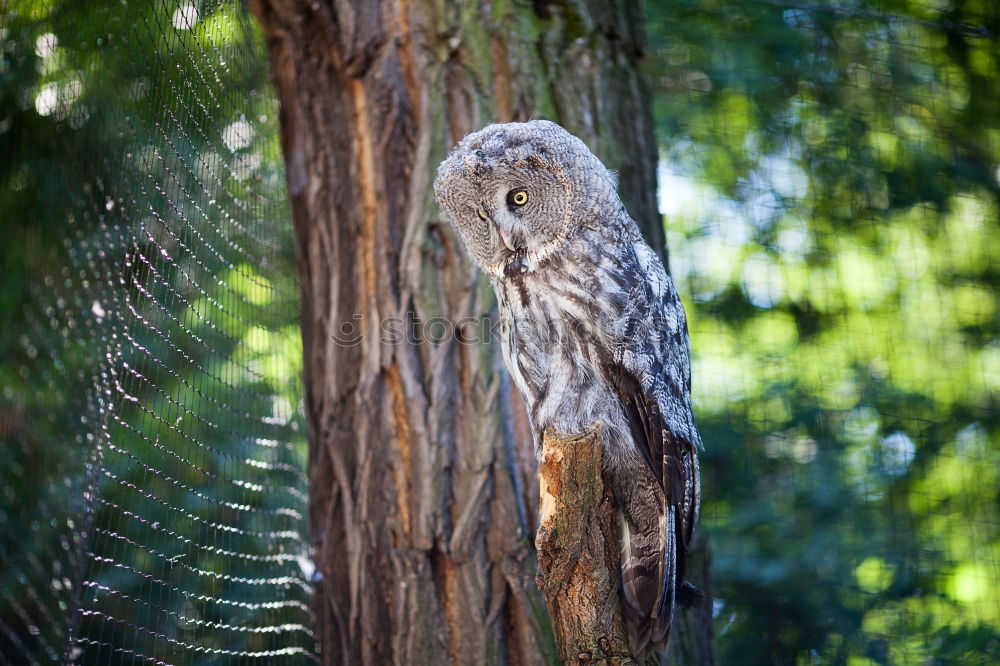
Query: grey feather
{"x": 592, "y": 331}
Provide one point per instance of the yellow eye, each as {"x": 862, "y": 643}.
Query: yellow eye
{"x": 517, "y": 198}
{"x": 481, "y": 213}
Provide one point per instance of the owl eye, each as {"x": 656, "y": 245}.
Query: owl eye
{"x": 517, "y": 198}
{"x": 481, "y": 213}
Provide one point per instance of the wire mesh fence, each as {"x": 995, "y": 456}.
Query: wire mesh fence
{"x": 153, "y": 468}
{"x": 830, "y": 183}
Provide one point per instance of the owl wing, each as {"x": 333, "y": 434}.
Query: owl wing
{"x": 658, "y": 500}
{"x": 657, "y": 503}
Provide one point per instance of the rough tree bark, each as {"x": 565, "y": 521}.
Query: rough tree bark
{"x": 578, "y": 553}
{"x": 423, "y": 480}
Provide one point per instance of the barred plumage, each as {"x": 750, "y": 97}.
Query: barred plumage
{"x": 593, "y": 332}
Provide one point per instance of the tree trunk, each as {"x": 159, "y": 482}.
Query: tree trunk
{"x": 423, "y": 494}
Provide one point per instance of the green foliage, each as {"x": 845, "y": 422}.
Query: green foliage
{"x": 831, "y": 186}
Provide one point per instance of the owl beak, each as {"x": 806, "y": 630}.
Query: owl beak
{"x": 506, "y": 242}
{"x": 495, "y": 232}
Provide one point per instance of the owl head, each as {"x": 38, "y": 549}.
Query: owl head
{"x": 516, "y": 192}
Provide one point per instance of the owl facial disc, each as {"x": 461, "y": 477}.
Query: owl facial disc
{"x": 517, "y": 192}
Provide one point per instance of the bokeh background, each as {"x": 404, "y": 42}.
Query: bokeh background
{"x": 830, "y": 182}
{"x": 830, "y": 179}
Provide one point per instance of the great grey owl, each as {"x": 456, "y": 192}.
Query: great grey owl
{"x": 593, "y": 333}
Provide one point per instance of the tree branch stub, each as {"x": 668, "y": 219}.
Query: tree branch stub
{"x": 578, "y": 552}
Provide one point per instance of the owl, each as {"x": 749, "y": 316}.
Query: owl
{"x": 594, "y": 336}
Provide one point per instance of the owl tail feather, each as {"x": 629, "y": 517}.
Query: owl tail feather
{"x": 648, "y": 636}
{"x": 648, "y": 574}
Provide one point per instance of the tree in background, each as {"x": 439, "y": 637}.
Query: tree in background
{"x": 423, "y": 489}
